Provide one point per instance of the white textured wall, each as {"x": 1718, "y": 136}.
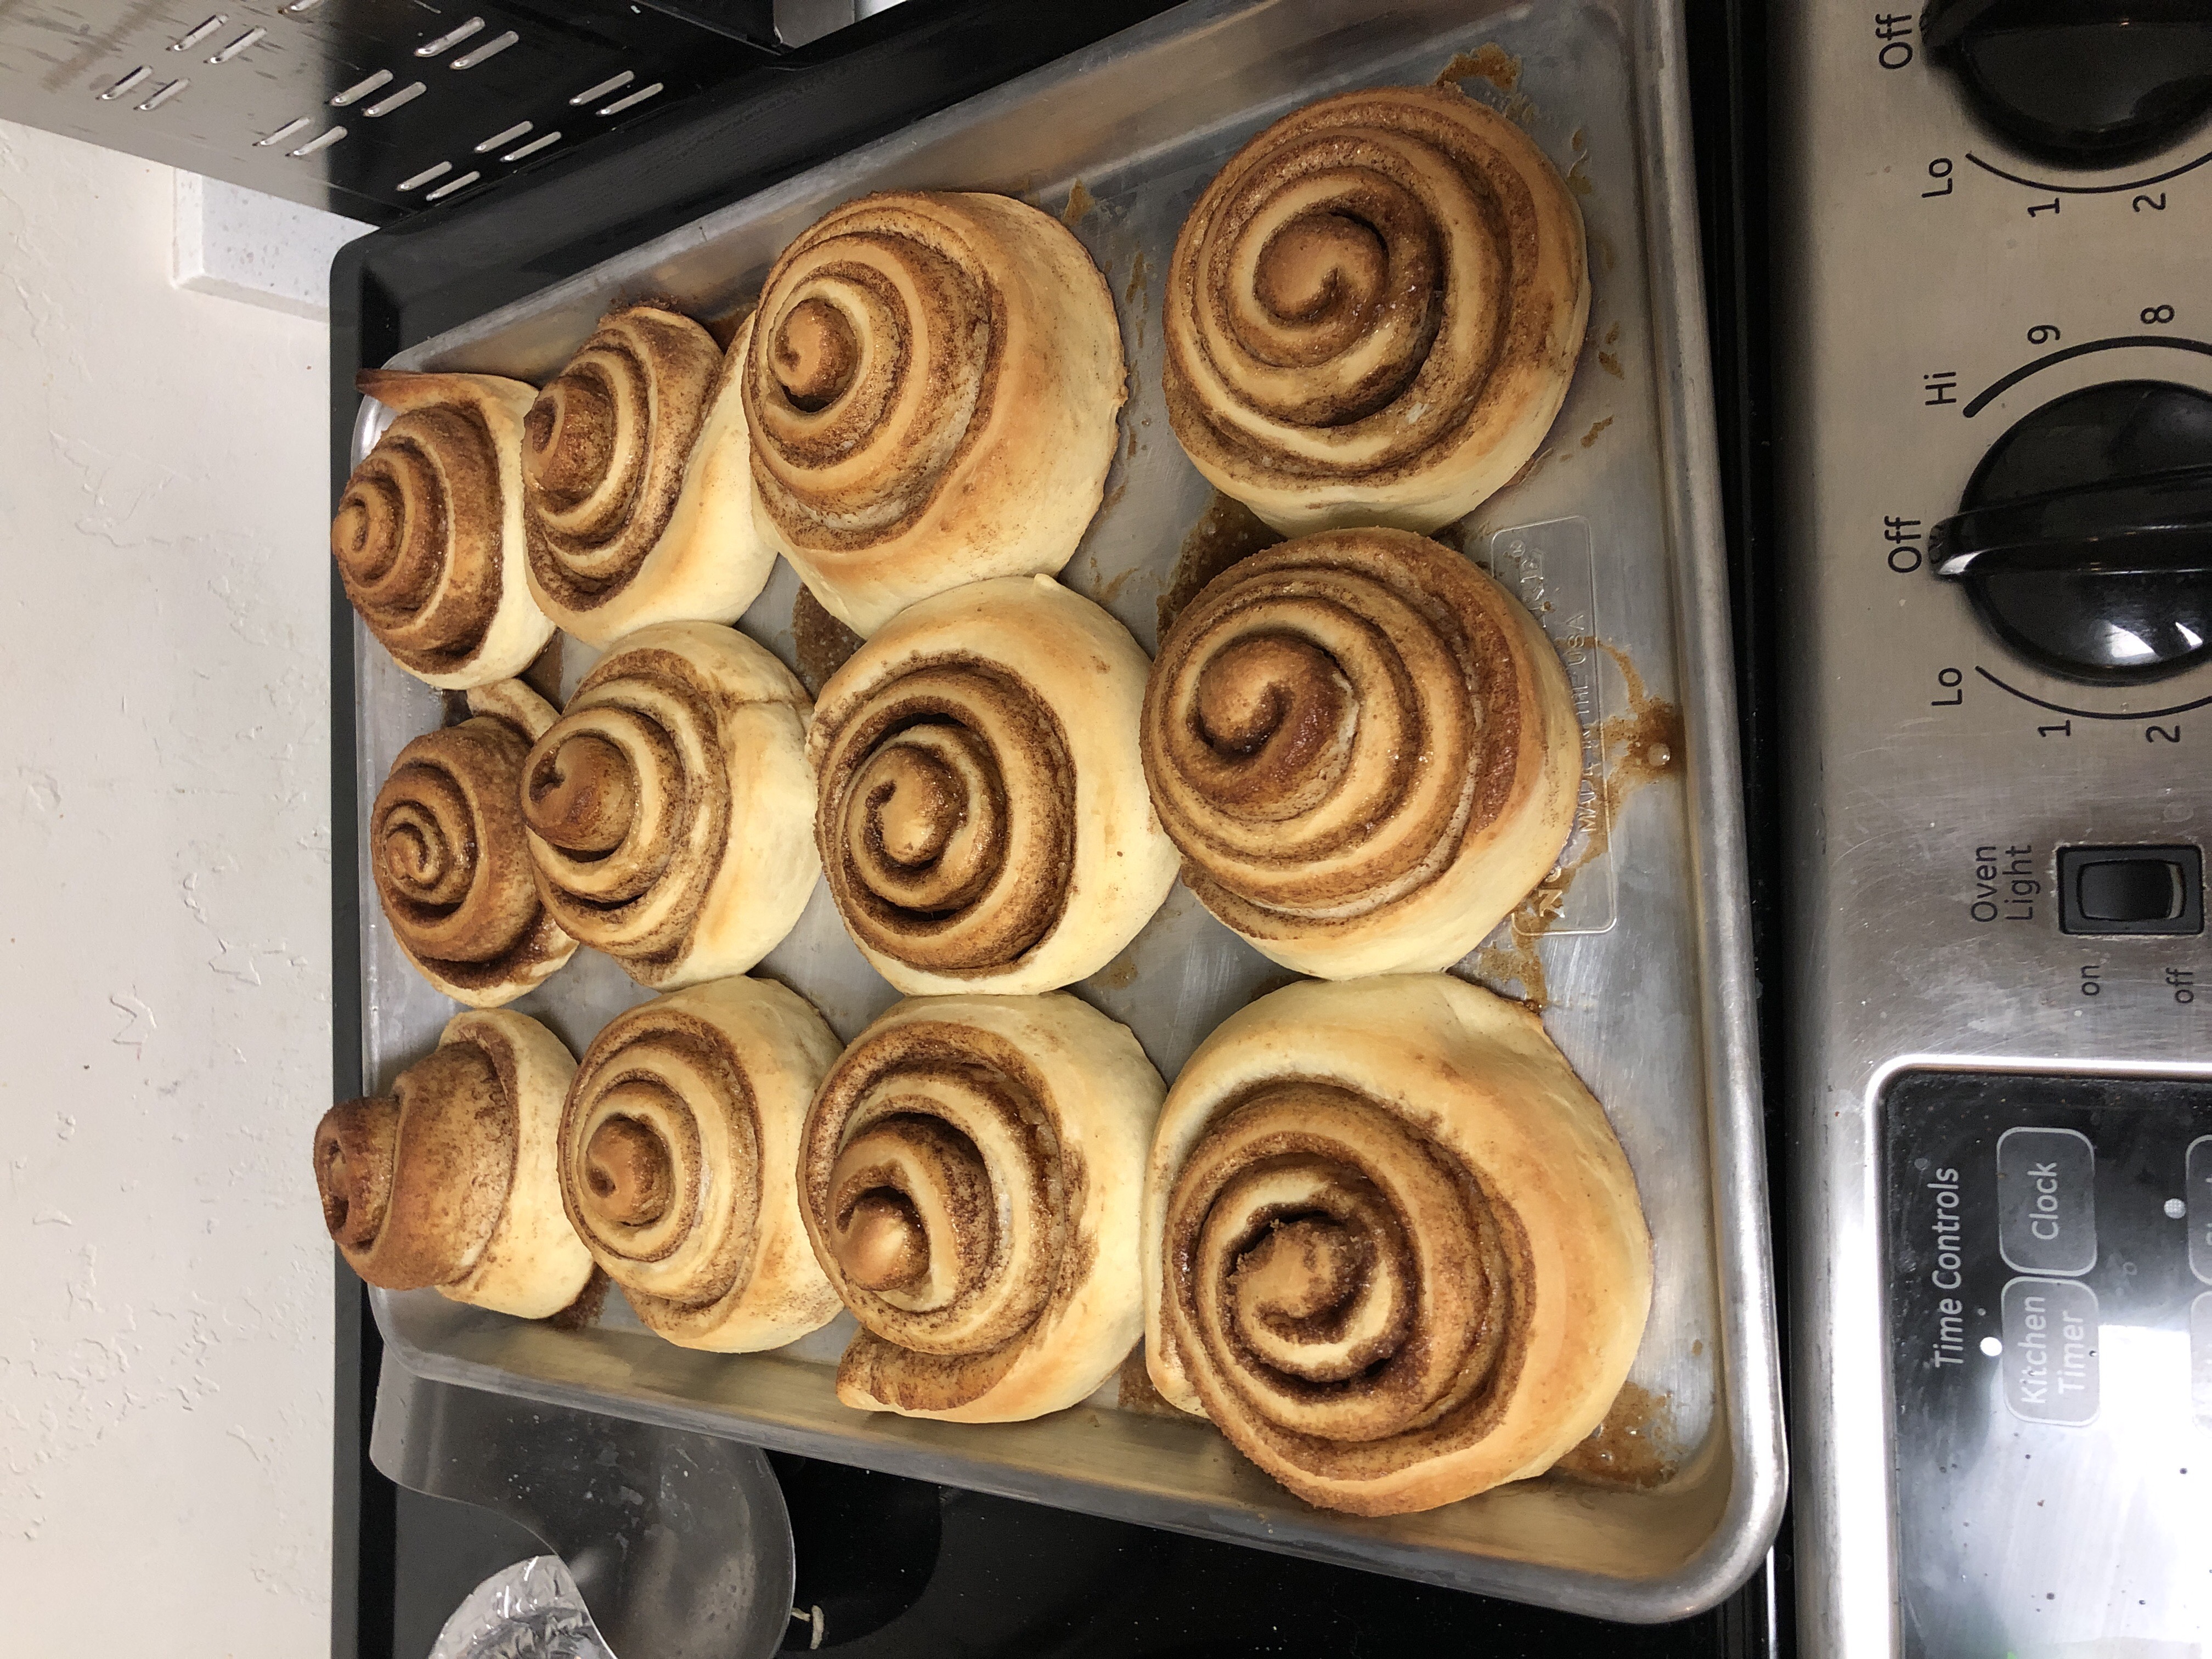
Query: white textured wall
{"x": 164, "y": 1324}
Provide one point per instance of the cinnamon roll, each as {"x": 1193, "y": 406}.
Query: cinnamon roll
{"x": 428, "y": 533}
{"x": 969, "y": 1176}
{"x": 1392, "y": 1247}
{"x": 981, "y": 810}
{"x": 449, "y": 1180}
{"x": 637, "y": 481}
{"x": 677, "y": 1160}
{"x": 666, "y": 809}
{"x": 452, "y": 869}
{"x": 932, "y": 391}
{"x": 1365, "y": 749}
{"x": 1373, "y": 312}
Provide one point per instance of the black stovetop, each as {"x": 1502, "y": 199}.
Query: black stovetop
{"x": 903, "y": 1570}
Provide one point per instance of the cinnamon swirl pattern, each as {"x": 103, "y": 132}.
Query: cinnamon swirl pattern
{"x": 1365, "y": 749}
{"x": 981, "y": 810}
{"x": 428, "y": 533}
{"x": 969, "y": 1176}
{"x": 637, "y": 481}
{"x": 666, "y": 809}
{"x": 452, "y": 866}
{"x": 677, "y": 1158}
{"x": 1392, "y": 1247}
{"x": 449, "y": 1180}
{"x": 1373, "y": 312}
{"x": 930, "y": 391}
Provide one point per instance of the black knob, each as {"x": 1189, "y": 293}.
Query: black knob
{"x": 2080, "y": 83}
{"x": 2084, "y": 538}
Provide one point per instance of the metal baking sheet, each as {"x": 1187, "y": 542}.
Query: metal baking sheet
{"x": 1642, "y": 965}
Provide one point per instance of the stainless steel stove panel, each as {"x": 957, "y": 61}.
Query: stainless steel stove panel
{"x": 1933, "y": 288}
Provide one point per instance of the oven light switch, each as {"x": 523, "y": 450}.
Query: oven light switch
{"x": 2131, "y": 890}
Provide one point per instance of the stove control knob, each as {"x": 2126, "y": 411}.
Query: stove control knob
{"x": 2084, "y": 84}
{"x": 2084, "y": 538}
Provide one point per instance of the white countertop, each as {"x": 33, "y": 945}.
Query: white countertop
{"x": 164, "y": 1340}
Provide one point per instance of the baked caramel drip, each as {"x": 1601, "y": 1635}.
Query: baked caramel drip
{"x": 940, "y": 1201}
{"x": 605, "y": 449}
{"x": 627, "y": 802}
{"x": 413, "y": 1183}
{"x": 417, "y": 538}
{"x": 451, "y": 864}
{"x": 1340, "y": 299}
{"x": 874, "y": 362}
{"x": 822, "y": 643}
{"x": 1327, "y": 724}
{"x": 946, "y": 816}
{"x": 660, "y": 1159}
{"x": 1343, "y": 1294}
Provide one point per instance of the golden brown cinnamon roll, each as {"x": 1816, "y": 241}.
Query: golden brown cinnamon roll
{"x": 932, "y": 390}
{"x": 677, "y": 1162}
{"x": 452, "y": 866}
{"x": 1373, "y": 312}
{"x": 1365, "y": 749}
{"x": 969, "y": 1176}
{"x": 449, "y": 1181}
{"x": 637, "y": 481}
{"x": 666, "y": 810}
{"x": 981, "y": 811}
{"x": 1391, "y": 1245}
{"x": 428, "y": 533}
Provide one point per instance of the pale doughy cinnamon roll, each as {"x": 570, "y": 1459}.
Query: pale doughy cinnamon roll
{"x": 1392, "y": 1247}
{"x": 637, "y": 481}
{"x": 932, "y": 391}
{"x": 452, "y": 868}
{"x": 677, "y": 1162}
{"x": 1365, "y": 749}
{"x": 449, "y": 1180}
{"x": 667, "y": 808}
{"x": 969, "y": 1176}
{"x": 428, "y": 533}
{"x": 1373, "y": 312}
{"x": 981, "y": 813}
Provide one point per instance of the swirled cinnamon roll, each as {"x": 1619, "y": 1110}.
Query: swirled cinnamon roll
{"x": 1392, "y": 1247}
{"x": 678, "y": 1149}
{"x": 449, "y": 1180}
{"x": 969, "y": 1176}
{"x": 932, "y": 389}
{"x": 666, "y": 810}
{"x": 1373, "y": 312}
{"x": 637, "y": 481}
{"x": 981, "y": 809}
{"x": 452, "y": 868}
{"x": 1365, "y": 749}
{"x": 428, "y": 533}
